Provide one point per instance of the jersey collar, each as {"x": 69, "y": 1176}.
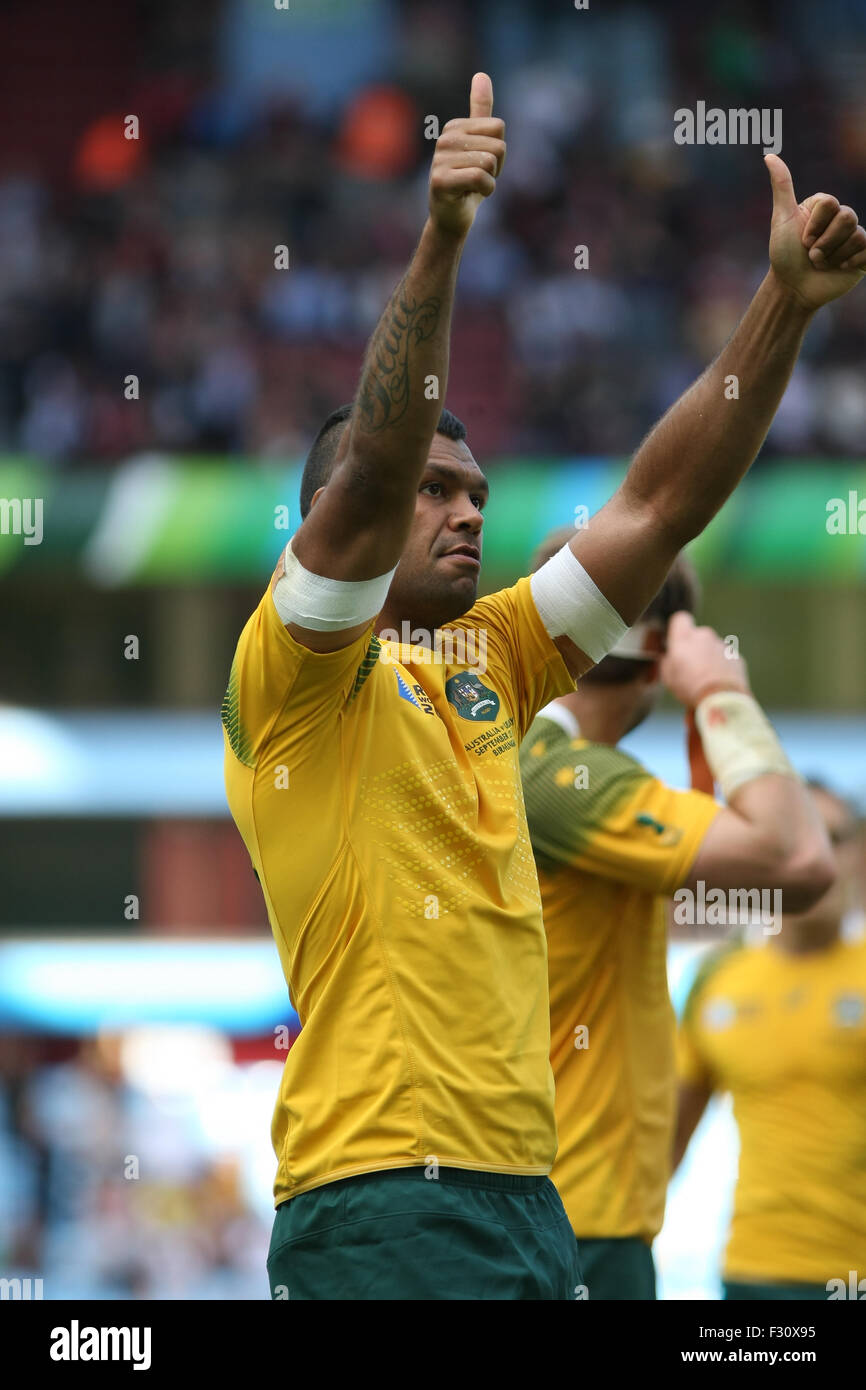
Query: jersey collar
{"x": 561, "y": 716}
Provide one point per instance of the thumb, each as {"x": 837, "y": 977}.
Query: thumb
{"x": 784, "y": 201}
{"x": 481, "y": 95}
{"x": 680, "y": 624}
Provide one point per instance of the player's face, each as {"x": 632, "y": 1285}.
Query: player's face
{"x": 839, "y": 899}
{"x": 437, "y": 578}
{"x": 647, "y": 691}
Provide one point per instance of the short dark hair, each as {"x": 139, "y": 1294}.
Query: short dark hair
{"x": 680, "y": 591}
{"x": 320, "y": 460}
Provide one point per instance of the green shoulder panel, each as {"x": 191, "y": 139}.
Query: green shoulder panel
{"x": 371, "y": 656}
{"x": 238, "y": 737}
{"x": 571, "y": 787}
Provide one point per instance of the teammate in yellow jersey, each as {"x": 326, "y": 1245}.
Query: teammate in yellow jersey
{"x": 372, "y": 721}
{"x": 611, "y": 842}
{"x": 782, "y": 1027}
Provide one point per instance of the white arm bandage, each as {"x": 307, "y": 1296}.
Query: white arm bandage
{"x": 644, "y": 641}
{"x": 327, "y": 605}
{"x": 570, "y": 605}
{"x": 739, "y": 740}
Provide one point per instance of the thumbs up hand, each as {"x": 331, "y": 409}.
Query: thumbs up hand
{"x": 469, "y": 156}
{"x": 817, "y": 249}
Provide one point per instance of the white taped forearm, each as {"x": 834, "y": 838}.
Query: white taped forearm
{"x": 327, "y": 605}
{"x": 571, "y": 605}
{"x": 739, "y": 741}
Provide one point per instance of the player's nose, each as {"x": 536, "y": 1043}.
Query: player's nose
{"x": 466, "y": 516}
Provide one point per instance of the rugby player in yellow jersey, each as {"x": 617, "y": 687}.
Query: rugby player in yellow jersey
{"x": 375, "y": 779}
{"x": 611, "y": 842}
{"x": 782, "y": 1027}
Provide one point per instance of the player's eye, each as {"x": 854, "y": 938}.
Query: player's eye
{"x": 429, "y": 485}
{"x": 477, "y": 502}
{"x": 840, "y": 835}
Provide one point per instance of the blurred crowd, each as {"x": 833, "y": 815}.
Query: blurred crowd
{"x": 111, "y": 1192}
{"x": 154, "y": 258}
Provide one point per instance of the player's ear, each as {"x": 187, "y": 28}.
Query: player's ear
{"x": 315, "y": 497}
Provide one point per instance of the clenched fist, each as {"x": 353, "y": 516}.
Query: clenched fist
{"x": 696, "y": 662}
{"x": 468, "y": 160}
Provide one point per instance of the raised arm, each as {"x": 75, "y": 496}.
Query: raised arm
{"x": 358, "y": 528}
{"x": 692, "y": 1101}
{"x": 695, "y": 456}
{"x": 770, "y": 834}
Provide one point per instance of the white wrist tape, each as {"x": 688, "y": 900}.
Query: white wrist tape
{"x": 327, "y": 605}
{"x": 739, "y": 741}
{"x": 570, "y": 605}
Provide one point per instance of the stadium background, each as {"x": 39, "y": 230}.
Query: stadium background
{"x": 144, "y": 1019}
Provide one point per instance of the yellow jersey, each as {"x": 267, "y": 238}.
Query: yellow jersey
{"x": 786, "y": 1035}
{"x": 611, "y": 842}
{"x": 377, "y": 789}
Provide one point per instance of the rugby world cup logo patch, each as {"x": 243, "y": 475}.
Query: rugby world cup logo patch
{"x": 471, "y": 698}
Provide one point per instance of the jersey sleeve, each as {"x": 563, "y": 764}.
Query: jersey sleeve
{"x": 595, "y": 808}
{"x": 275, "y": 680}
{"x": 519, "y": 650}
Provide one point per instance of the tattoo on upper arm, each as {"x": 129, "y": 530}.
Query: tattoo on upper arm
{"x": 383, "y": 396}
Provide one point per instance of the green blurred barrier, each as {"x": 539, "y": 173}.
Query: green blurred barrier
{"x": 158, "y": 520}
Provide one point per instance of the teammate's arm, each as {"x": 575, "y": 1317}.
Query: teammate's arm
{"x": 358, "y": 526}
{"x": 694, "y": 457}
{"x": 694, "y": 1097}
{"x": 769, "y": 835}
{"x": 696, "y": 1079}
